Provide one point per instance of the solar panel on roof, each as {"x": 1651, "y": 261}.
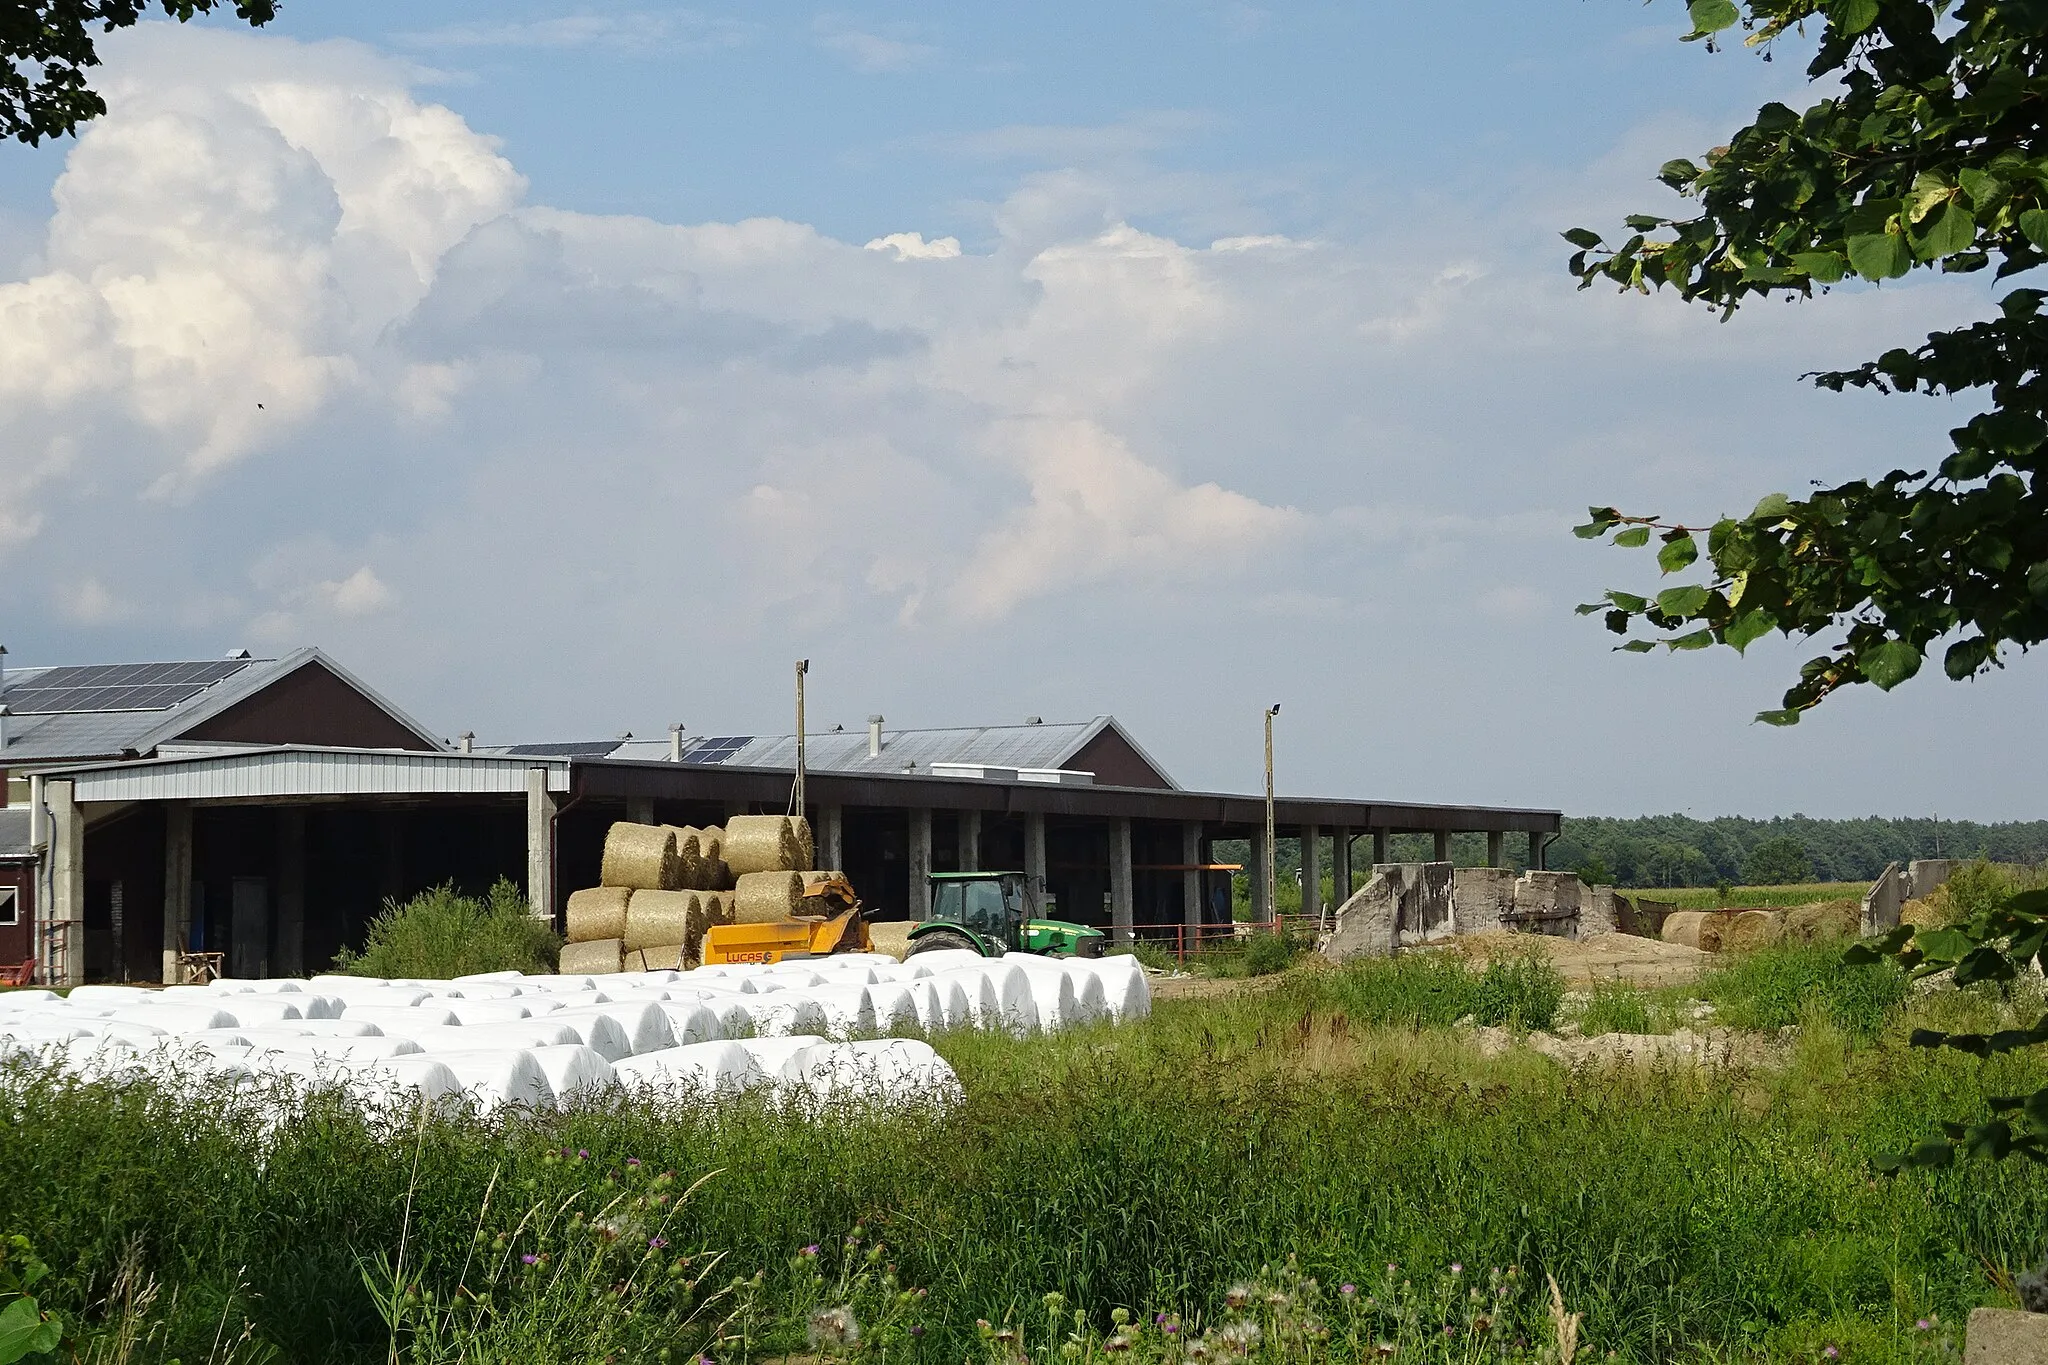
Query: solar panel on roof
{"x": 717, "y": 749}
{"x": 116, "y": 687}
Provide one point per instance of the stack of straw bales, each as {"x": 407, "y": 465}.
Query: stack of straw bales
{"x": 662, "y": 887}
{"x": 771, "y": 857}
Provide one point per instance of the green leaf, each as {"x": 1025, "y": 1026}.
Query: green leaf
{"x": 1891, "y": 663}
{"x": 1603, "y": 519}
{"x": 1983, "y": 963}
{"x": 1698, "y": 639}
{"x": 1881, "y": 255}
{"x": 2033, "y": 225}
{"x": 1985, "y": 189}
{"x": 25, "y": 1332}
{"x": 1772, "y": 506}
{"x": 1747, "y": 629}
{"x": 1584, "y": 238}
{"x": 1634, "y": 536}
{"x": 1628, "y": 601}
{"x": 1677, "y": 554}
{"x": 1786, "y": 717}
{"x": 1711, "y": 16}
{"x": 1852, "y": 17}
{"x": 1943, "y": 945}
{"x": 1637, "y": 647}
{"x": 1825, "y": 266}
{"x": 1678, "y": 171}
{"x": 1949, "y": 230}
{"x": 1681, "y": 602}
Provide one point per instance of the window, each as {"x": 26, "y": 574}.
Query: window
{"x": 10, "y": 906}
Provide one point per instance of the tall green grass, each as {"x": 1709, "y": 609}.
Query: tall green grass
{"x": 1777, "y": 987}
{"x": 1753, "y": 897}
{"x": 1687, "y": 1213}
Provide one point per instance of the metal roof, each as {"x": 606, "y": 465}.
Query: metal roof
{"x": 305, "y": 770}
{"x": 98, "y": 730}
{"x": 1035, "y": 746}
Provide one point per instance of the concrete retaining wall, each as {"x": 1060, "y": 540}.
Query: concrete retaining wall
{"x": 1898, "y": 884}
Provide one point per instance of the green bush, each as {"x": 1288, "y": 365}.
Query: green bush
{"x": 1266, "y": 953}
{"x": 1774, "y": 987}
{"x": 442, "y": 933}
{"x": 1617, "y": 1007}
{"x": 1523, "y": 991}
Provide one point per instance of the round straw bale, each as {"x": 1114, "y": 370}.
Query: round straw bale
{"x": 1685, "y": 926}
{"x": 689, "y": 857}
{"x": 813, "y": 878}
{"x": 598, "y": 914}
{"x": 807, "y": 847}
{"x": 591, "y": 959}
{"x": 711, "y": 843}
{"x": 718, "y": 908}
{"x": 658, "y": 917}
{"x": 765, "y": 897}
{"x": 642, "y": 857}
{"x": 1827, "y": 920}
{"x": 762, "y": 843}
{"x": 1752, "y": 929}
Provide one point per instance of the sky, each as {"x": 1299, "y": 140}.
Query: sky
{"x": 568, "y": 370}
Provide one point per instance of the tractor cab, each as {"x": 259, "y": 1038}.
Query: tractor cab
{"x": 990, "y": 913}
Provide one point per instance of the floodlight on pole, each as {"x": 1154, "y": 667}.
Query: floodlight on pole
{"x": 796, "y": 799}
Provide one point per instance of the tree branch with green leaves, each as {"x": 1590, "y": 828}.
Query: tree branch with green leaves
{"x": 1928, "y": 158}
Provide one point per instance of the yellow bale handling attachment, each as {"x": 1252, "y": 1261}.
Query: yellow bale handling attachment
{"x": 837, "y": 927}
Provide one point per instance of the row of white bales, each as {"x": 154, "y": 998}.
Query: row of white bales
{"x": 828, "y": 1028}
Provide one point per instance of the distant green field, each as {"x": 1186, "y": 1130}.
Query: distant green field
{"x": 1751, "y": 897}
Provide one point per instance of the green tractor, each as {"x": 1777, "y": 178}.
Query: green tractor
{"x": 989, "y": 913}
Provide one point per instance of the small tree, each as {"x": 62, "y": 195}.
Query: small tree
{"x": 1777, "y": 862}
{"x": 1594, "y": 872}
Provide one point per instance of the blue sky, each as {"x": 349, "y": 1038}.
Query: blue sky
{"x": 1156, "y": 359}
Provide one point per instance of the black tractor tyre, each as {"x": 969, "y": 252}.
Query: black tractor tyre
{"x": 937, "y": 939}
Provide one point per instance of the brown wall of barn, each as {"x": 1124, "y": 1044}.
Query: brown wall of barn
{"x": 308, "y": 706}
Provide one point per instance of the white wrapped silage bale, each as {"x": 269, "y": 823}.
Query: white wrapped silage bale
{"x": 513, "y": 976}
{"x": 784, "y": 1013}
{"x": 837, "y": 971}
{"x": 477, "y": 990}
{"x": 600, "y": 1032}
{"x": 314, "y": 1005}
{"x": 771, "y": 1056}
{"x": 575, "y": 1073}
{"x": 377, "y": 996}
{"x": 1052, "y": 995}
{"x": 495, "y": 1077}
{"x": 1090, "y": 1003}
{"x": 512, "y": 1034}
{"x": 346, "y": 1050}
{"x": 44, "y": 1029}
{"x": 946, "y": 959}
{"x": 334, "y": 982}
{"x": 187, "y": 993}
{"x": 946, "y": 1001}
{"x": 895, "y": 1008}
{"x": 849, "y": 1010}
{"x": 180, "y": 1017}
{"x": 397, "y": 1018}
{"x": 646, "y": 1028}
{"x": 655, "y": 976}
{"x": 558, "y": 985}
{"x": 109, "y": 995}
{"x": 275, "y": 985}
{"x": 1016, "y": 1008}
{"x": 22, "y": 997}
{"x": 468, "y": 1011}
{"x": 791, "y": 974}
{"x": 401, "y": 1083}
{"x": 1127, "y": 991}
{"x": 700, "y": 1069}
{"x": 884, "y": 1071}
{"x": 983, "y": 1008}
{"x": 734, "y": 1013}
{"x": 135, "y": 1035}
{"x": 255, "y": 1011}
{"x": 692, "y": 1021}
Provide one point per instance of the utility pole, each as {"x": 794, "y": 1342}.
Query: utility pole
{"x": 1266, "y": 872}
{"x": 803, "y": 666}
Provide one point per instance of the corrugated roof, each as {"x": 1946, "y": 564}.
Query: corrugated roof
{"x": 57, "y": 735}
{"x": 996, "y": 746}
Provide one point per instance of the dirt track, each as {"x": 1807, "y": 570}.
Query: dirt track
{"x": 1602, "y": 957}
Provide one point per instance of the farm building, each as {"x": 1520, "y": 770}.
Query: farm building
{"x": 265, "y": 814}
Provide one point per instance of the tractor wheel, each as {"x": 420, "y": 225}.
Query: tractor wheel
{"x": 1088, "y": 947}
{"x": 939, "y": 939}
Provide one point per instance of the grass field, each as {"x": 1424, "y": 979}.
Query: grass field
{"x": 1754, "y": 897}
{"x": 1330, "y": 1118}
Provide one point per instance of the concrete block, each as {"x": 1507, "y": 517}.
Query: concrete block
{"x": 1478, "y": 897}
{"x": 1367, "y": 925}
{"x": 1599, "y": 912}
{"x": 2006, "y": 1336}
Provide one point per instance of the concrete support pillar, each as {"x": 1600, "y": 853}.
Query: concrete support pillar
{"x": 920, "y": 864}
{"x": 540, "y": 845}
{"x": 1535, "y": 851}
{"x": 1193, "y": 912}
{"x": 291, "y": 893}
{"x": 1493, "y": 848}
{"x": 1443, "y": 845}
{"x": 1312, "y": 870}
{"x": 640, "y": 810}
{"x": 64, "y": 952}
{"x": 832, "y": 838}
{"x": 1261, "y": 911}
{"x": 1122, "y": 902}
{"x": 177, "y": 887}
{"x": 1034, "y": 861}
{"x": 970, "y": 841}
{"x": 1379, "y": 847}
{"x": 1340, "y": 867}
